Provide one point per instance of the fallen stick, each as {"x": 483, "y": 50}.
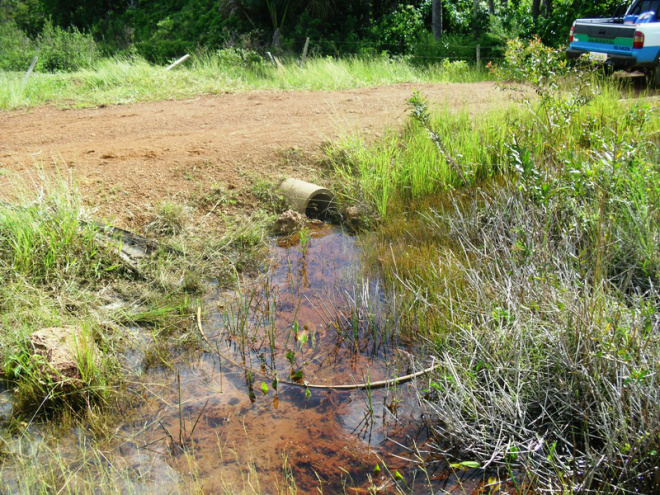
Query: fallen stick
{"x": 29, "y": 71}
{"x": 356, "y": 386}
{"x": 174, "y": 64}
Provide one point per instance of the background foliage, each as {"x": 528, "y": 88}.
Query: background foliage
{"x": 63, "y": 32}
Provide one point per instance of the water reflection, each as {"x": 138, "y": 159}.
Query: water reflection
{"x": 214, "y": 420}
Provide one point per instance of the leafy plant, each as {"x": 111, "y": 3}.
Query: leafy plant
{"x": 305, "y": 236}
{"x": 65, "y": 50}
{"x": 399, "y": 30}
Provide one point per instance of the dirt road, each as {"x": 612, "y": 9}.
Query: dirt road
{"x": 127, "y": 159}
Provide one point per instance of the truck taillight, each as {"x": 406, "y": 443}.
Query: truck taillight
{"x": 638, "y": 40}
{"x": 570, "y": 38}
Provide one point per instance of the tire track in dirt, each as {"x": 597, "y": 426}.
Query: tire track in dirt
{"x": 128, "y": 158}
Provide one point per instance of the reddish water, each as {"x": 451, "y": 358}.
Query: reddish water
{"x": 206, "y": 425}
{"x": 311, "y": 313}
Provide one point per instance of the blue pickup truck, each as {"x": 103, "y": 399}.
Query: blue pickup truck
{"x": 630, "y": 41}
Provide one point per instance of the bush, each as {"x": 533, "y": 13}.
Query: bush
{"x": 16, "y": 49}
{"x": 64, "y": 51}
{"x": 240, "y": 58}
{"x": 399, "y": 30}
{"x": 531, "y": 62}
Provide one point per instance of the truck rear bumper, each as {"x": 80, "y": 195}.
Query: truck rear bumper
{"x": 617, "y": 61}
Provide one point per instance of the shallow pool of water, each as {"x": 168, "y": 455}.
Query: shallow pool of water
{"x": 216, "y": 419}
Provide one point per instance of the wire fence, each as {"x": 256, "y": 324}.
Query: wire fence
{"x": 477, "y": 54}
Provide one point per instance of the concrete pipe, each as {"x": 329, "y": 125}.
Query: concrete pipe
{"x": 310, "y": 199}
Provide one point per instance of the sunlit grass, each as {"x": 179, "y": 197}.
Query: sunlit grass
{"x": 530, "y": 260}
{"x": 126, "y": 80}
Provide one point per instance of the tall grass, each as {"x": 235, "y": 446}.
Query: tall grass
{"x": 131, "y": 79}
{"x": 527, "y": 244}
{"x": 409, "y": 165}
{"x": 47, "y": 244}
{"x": 50, "y": 264}
{"x": 58, "y": 270}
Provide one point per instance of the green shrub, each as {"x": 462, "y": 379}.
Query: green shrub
{"x": 16, "y": 49}
{"x": 531, "y": 62}
{"x": 399, "y": 30}
{"x": 65, "y": 51}
{"x": 240, "y": 58}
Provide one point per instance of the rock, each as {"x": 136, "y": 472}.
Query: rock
{"x": 61, "y": 346}
{"x": 289, "y": 222}
{"x": 7, "y": 403}
{"x": 352, "y": 214}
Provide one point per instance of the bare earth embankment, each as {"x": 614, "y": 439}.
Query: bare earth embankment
{"x": 128, "y": 158}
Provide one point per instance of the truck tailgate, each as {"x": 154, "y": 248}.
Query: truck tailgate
{"x": 602, "y": 37}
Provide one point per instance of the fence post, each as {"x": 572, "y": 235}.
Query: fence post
{"x": 304, "y": 54}
{"x": 478, "y": 56}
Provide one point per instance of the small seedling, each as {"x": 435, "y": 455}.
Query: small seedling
{"x": 305, "y": 236}
{"x": 291, "y": 356}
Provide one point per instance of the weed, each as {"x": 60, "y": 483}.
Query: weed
{"x": 169, "y": 218}
{"x": 304, "y": 235}
{"x": 272, "y": 200}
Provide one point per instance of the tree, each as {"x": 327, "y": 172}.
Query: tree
{"x": 536, "y": 9}
{"x": 278, "y": 12}
{"x": 436, "y": 18}
{"x": 82, "y": 15}
{"x": 547, "y": 8}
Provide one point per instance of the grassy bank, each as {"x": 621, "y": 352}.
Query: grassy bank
{"x": 527, "y": 246}
{"x": 60, "y": 271}
{"x": 128, "y": 80}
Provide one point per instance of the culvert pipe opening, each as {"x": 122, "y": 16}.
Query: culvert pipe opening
{"x": 312, "y": 200}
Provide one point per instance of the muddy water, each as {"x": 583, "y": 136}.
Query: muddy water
{"x": 312, "y": 317}
{"x": 215, "y": 422}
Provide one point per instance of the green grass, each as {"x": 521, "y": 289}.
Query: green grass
{"x": 127, "y": 80}
{"x": 525, "y": 245}
{"x": 409, "y": 165}
{"x": 51, "y": 265}
{"x": 57, "y": 272}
